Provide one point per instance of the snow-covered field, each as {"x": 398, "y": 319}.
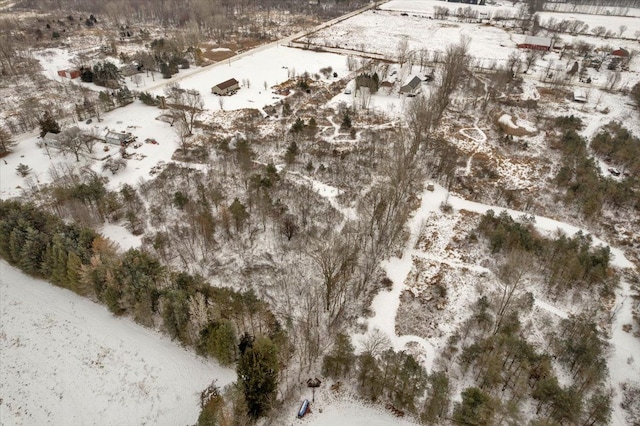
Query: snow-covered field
{"x": 65, "y": 360}
{"x": 382, "y": 32}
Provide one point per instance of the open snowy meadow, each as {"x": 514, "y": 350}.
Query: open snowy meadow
{"x": 67, "y": 361}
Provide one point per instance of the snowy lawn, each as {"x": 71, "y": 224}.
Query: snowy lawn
{"x": 257, "y": 71}
{"x": 65, "y": 360}
{"x": 333, "y": 409}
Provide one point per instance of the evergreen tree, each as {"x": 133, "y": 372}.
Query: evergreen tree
{"x": 239, "y": 213}
{"x": 291, "y": 153}
{"x": 48, "y": 124}
{"x": 219, "y": 341}
{"x": 258, "y": 375}
{"x": 346, "y": 121}
{"x": 298, "y": 126}
{"x": 175, "y": 314}
{"x": 635, "y": 94}
{"x": 340, "y": 361}
{"x": 436, "y": 404}
{"x": 476, "y": 408}
{"x": 369, "y": 376}
{"x": 6, "y": 141}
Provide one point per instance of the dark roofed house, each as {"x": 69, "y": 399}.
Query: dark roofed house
{"x": 130, "y": 69}
{"x": 225, "y": 87}
{"x": 412, "y": 87}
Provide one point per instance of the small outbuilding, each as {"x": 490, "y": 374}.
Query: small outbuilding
{"x": 412, "y": 87}
{"x": 579, "y": 95}
{"x": 620, "y": 53}
{"x": 115, "y": 138}
{"x": 69, "y": 73}
{"x": 51, "y": 139}
{"x": 225, "y": 87}
{"x": 536, "y": 43}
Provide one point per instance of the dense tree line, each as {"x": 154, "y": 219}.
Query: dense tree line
{"x": 618, "y": 146}
{"x": 135, "y": 284}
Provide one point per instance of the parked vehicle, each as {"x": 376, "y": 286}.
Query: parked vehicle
{"x": 304, "y": 408}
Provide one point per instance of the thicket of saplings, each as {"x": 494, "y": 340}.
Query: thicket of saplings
{"x": 581, "y": 178}
{"x": 218, "y": 322}
{"x": 490, "y": 349}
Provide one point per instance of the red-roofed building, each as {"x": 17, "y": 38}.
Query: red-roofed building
{"x": 70, "y": 73}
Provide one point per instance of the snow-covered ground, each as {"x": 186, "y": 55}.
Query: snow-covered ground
{"x": 136, "y": 118}
{"x": 333, "y": 409}
{"x": 257, "y": 71}
{"x": 379, "y": 31}
{"x": 622, "y": 365}
{"x": 383, "y": 31}
{"x": 65, "y": 360}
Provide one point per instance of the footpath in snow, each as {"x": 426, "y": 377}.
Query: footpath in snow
{"x": 622, "y": 365}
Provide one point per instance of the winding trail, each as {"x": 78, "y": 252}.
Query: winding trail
{"x": 478, "y": 140}
{"x": 624, "y": 347}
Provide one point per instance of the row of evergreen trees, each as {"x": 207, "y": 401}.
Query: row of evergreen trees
{"x": 136, "y": 284}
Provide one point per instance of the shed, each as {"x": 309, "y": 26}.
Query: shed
{"x": 225, "y": 87}
{"x": 536, "y": 43}
{"x": 412, "y": 87}
{"x": 51, "y": 139}
{"x": 579, "y": 95}
{"x": 130, "y": 69}
{"x": 116, "y": 138}
{"x": 621, "y": 53}
{"x": 69, "y": 73}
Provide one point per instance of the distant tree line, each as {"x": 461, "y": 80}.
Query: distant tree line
{"x": 218, "y": 18}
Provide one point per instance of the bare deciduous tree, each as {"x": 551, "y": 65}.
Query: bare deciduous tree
{"x": 71, "y": 141}
{"x": 511, "y": 275}
{"x": 530, "y": 58}
{"x": 622, "y": 28}
{"x": 402, "y": 50}
{"x": 455, "y": 65}
{"x": 6, "y": 140}
{"x": 336, "y": 257}
{"x": 186, "y": 106}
